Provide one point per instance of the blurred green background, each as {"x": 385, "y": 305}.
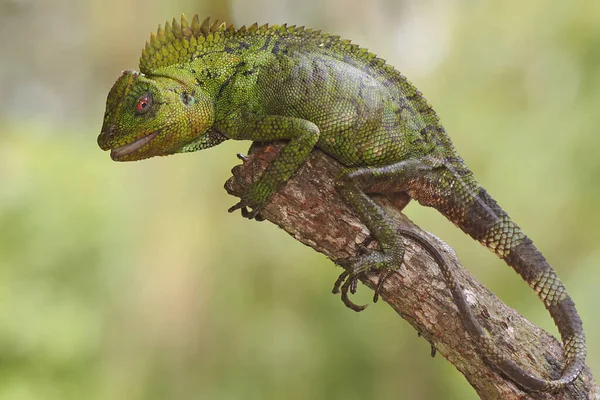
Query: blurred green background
{"x": 131, "y": 281}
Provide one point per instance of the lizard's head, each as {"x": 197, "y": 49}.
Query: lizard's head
{"x": 154, "y": 116}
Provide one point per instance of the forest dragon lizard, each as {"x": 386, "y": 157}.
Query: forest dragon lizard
{"x": 203, "y": 83}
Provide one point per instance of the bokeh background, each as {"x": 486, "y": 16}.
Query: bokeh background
{"x": 131, "y": 281}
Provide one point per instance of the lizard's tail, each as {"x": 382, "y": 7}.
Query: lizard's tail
{"x": 527, "y": 260}
{"x": 474, "y": 211}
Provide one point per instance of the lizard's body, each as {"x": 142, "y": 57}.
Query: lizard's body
{"x": 204, "y": 84}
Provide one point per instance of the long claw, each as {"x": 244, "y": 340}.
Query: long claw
{"x": 339, "y": 281}
{"x": 344, "y": 283}
{"x": 246, "y": 213}
{"x": 433, "y": 351}
{"x": 383, "y": 276}
{"x": 346, "y": 299}
{"x": 354, "y": 285}
{"x": 252, "y": 214}
{"x": 237, "y": 206}
{"x": 242, "y": 205}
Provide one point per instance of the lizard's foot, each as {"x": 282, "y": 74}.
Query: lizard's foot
{"x": 360, "y": 266}
{"x": 242, "y": 205}
{"x": 250, "y": 194}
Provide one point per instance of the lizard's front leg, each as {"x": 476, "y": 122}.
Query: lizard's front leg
{"x": 302, "y": 136}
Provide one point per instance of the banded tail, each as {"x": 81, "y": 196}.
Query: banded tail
{"x": 476, "y": 213}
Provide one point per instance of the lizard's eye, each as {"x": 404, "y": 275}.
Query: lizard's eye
{"x": 144, "y": 104}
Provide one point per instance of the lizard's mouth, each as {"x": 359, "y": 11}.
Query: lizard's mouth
{"x": 127, "y": 149}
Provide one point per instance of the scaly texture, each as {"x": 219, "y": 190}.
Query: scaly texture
{"x": 203, "y": 83}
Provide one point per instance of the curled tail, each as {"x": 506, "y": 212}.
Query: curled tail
{"x": 474, "y": 211}
{"x": 526, "y": 259}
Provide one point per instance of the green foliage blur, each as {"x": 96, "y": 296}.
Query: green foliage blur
{"x": 131, "y": 281}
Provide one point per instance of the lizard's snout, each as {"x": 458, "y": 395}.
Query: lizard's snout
{"x": 105, "y": 137}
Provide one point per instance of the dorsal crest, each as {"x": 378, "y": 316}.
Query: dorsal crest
{"x": 178, "y": 41}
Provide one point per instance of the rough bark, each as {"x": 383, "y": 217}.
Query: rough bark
{"x": 309, "y": 209}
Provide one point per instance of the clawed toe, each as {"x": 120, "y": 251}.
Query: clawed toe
{"x": 237, "y": 206}
{"x": 383, "y": 276}
{"x": 348, "y": 282}
{"x": 254, "y": 214}
{"x": 355, "y": 267}
{"x": 433, "y": 351}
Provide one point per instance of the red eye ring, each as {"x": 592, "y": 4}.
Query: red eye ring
{"x": 143, "y": 104}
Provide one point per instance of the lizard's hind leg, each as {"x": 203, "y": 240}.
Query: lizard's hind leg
{"x": 390, "y": 254}
{"x": 354, "y": 186}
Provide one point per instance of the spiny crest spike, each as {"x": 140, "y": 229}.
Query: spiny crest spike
{"x": 196, "y": 25}
{"x": 154, "y": 41}
{"x": 205, "y": 28}
{"x": 160, "y": 35}
{"x": 215, "y": 26}
{"x": 177, "y": 41}
{"x": 185, "y": 27}
{"x": 149, "y": 49}
{"x": 176, "y": 29}
{"x": 169, "y": 33}
{"x": 184, "y": 21}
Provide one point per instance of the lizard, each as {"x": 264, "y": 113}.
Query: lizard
{"x": 202, "y": 83}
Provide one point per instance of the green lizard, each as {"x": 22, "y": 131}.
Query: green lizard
{"x": 203, "y": 83}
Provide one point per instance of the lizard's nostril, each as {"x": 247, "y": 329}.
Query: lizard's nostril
{"x": 109, "y": 132}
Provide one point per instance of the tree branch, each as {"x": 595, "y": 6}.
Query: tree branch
{"x": 309, "y": 208}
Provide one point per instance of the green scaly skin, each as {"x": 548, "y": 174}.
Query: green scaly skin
{"x": 203, "y": 83}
